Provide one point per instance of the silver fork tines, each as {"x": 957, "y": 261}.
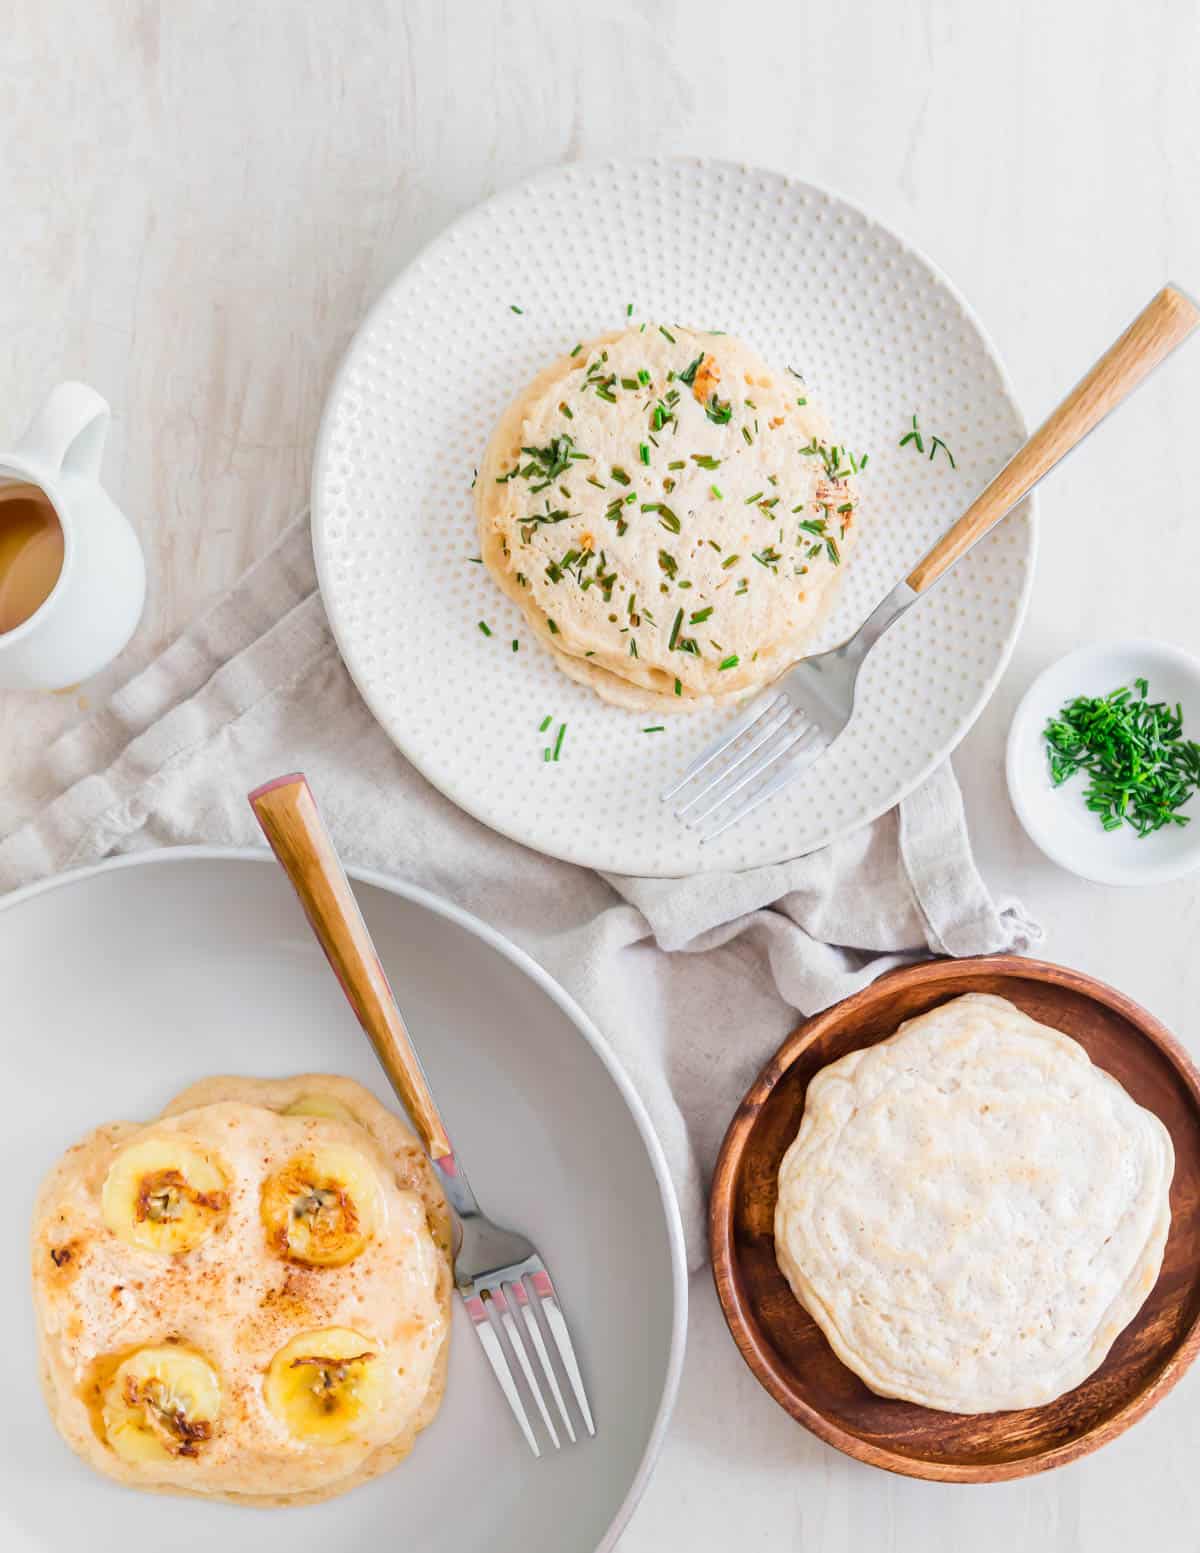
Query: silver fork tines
{"x": 489, "y": 1300}
{"x": 741, "y": 725}
{"x": 539, "y": 1345}
{"x": 488, "y": 1337}
{"x": 808, "y": 748}
{"x": 562, "y": 1338}
{"x": 762, "y": 729}
{"x": 782, "y": 733}
{"x": 789, "y": 733}
{"x": 499, "y": 1303}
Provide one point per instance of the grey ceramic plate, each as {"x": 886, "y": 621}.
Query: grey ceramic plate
{"x": 124, "y": 983}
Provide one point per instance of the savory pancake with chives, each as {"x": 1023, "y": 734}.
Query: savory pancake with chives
{"x": 670, "y": 514}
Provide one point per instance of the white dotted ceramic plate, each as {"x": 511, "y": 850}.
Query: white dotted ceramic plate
{"x": 809, "y": 281}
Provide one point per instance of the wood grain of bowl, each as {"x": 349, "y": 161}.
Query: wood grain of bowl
{"x": 787, "y": 1350}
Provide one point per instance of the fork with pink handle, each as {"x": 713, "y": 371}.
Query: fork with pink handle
{"x": 495, "y": 1269}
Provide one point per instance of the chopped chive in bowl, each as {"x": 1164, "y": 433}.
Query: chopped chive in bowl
{"x": 1140, "y": 768}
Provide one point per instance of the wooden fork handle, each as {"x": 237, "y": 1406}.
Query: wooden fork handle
{"x": 1156, "y": 331}
{"x": 292, "y": 823}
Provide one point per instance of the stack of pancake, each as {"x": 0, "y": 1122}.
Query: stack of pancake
{"x": 669, "y": 513}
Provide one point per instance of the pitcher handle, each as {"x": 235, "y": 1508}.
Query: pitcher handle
{"x": 69, "y": 432}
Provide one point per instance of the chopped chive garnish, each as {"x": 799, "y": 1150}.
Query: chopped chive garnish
{"x": 553, "y": 627}
{"x": 750, "y": 500}
{"x": 544, "y": 724}
{"x": 658, "y": 728}
{"x": 675, "y": 631}
{"x": 729, "y": 663}
{"x": 619, "y": 475}
{"x": 935, "y": 445}
{"x": 629, "y": 309}
{"x": 913, "y": 436}
{"x": 833, "y": 551}
{"x": 706, "y": 461}
{"x": 485, "y": 628}
{"x": 677, "y": 463}
{"x": 688, "y": 375}
{"x": 1141, "y": 768}
{"x": 548, "y": 463}
{"x": 701, "y": 614}
{"x": 666, "y": 333}
{"x": 577, "y": 349}
{"x": 562, "y": 728}
{"x": 643, "y": 452}
{"x": 678, "y": 687}
{"x": 718, "y": 411}
{"x": 747, "y": 436}
{"x": 730, "y": 561}
{"x": 475, "y": 560}
{"x": 514, "y": 308}
{"x": 717, "y": 492}
{"x": 565, "y": 409}
{"x": 516, "y": 644}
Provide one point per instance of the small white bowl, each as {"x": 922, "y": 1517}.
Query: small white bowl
{"x": 1056, "y": 818}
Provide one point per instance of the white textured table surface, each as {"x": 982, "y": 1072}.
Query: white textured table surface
{"x": 201, "y": 200}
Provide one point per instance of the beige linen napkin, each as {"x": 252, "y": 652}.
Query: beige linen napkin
{"x": 693, "y": 981}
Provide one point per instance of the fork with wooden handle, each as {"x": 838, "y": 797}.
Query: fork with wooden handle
{"x": 495, "y": 1269}
{"x": 804, "y": 712}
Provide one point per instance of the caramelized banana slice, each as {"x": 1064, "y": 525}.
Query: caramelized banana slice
{"x": 323, "y": 1206}
{"x": 326, "y": 1385}
{"x": 161, "y": 1403}
{"x": 164, "y": 1194}
{"x": 319, "y": 1105}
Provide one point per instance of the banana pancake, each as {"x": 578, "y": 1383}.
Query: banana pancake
{"x": 248, "y": 1298}
{"x": 669, "y": 513}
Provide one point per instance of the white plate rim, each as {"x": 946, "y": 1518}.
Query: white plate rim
{"x": 1017, "y": 776}
{"x": 583, "y": 856}
{"x": 448, "y": 911}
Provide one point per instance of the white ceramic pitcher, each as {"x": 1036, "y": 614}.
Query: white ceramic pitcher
{"x": 94, "y": 607}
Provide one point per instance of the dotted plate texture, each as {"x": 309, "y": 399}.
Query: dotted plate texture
{"x": 811, "y": 283}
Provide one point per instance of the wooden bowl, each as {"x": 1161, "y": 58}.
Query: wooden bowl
{"x": 787, "y": 1350}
